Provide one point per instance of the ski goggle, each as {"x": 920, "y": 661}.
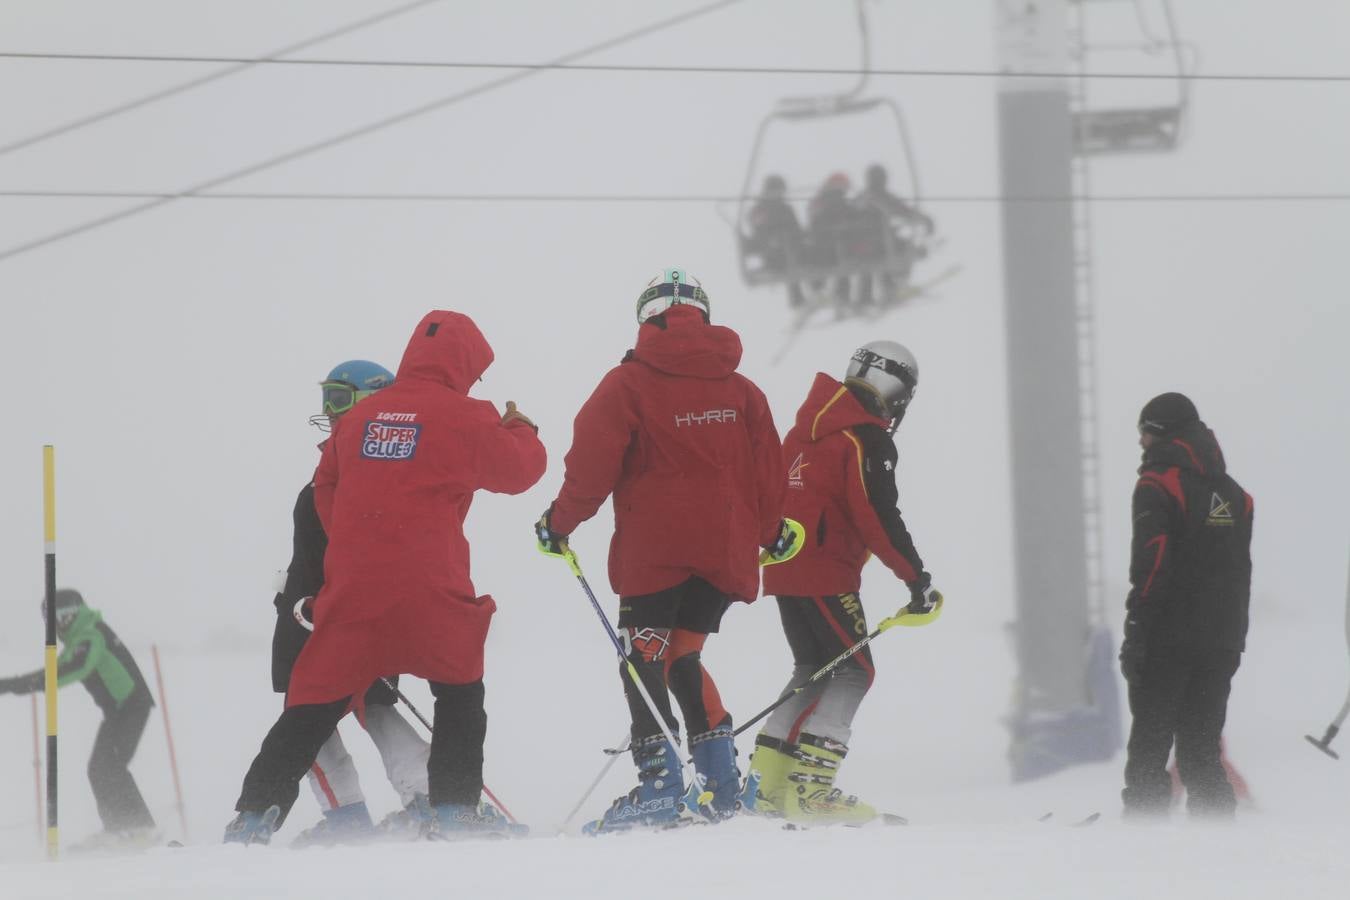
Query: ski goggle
{"x": 338, "y": 397}
{"x": 661, "y": 297}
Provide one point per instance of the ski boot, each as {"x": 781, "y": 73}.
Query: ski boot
{"x": 813, "y": 798}
{"x": 715, "y": 761}
{"x": 408, "y": 822}
{"x": 118, "y": 839}
{"x": 339, "y": 825}
{"x": 659, "y": 798}
{"x": 766, "y": 785}
{"x": 252, "y": 826}
{"x": 459, "y": 821}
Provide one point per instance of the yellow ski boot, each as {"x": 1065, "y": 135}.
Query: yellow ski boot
{"x": 766, "y": 779}
{"x": 813, "y": 799}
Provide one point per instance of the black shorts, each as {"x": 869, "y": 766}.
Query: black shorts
{"x": 694, "y": 606}
{"x": 820, "y": 628}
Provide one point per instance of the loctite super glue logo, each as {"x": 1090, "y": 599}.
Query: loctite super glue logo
{"x": 384, "y": 440}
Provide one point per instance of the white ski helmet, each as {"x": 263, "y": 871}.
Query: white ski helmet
{"x": 886, "y": 372}
{"x": 672, "y": 287}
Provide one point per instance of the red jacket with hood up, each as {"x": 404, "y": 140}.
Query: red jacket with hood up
{"x": 392, "y": 489}
{"x": 841, "y": 486}
{"x": 688, "y": 448}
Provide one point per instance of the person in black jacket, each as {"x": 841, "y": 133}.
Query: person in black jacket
{"x": 1186, "y": 615}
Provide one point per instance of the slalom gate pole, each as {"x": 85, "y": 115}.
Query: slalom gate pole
{"x": 704, "y": 796}
{"x": 421, "y": 718}
{"x": 168, "y": 735}
{"x": 885, "y": 625}
{"x": 594, "y": 784}
{"x": 1334, "y": 728}
{"x": 37, "y": 769}
{"x": 49, "y": 685}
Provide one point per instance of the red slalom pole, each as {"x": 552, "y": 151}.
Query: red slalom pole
{"x": 168, "y": 734}
{"x": 37, "y": 769}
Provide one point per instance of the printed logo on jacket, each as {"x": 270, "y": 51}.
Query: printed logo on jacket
{"x": 391, "y": 436}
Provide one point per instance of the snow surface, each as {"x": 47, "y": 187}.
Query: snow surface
{"x": 172, "y": 360}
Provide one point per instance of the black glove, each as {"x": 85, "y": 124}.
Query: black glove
{"x": 1133, "y": 650}
{"x": 923, "y": 597}
{"x": 783, "y": 543}
{"x": 549, "y": 540}
{"x": 9, "y": 685}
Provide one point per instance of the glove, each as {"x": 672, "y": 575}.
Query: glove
{"x": 923, "y": 597}
{"x": 550, "y": 541}
{"x": 515, "y": 415}
{"x": 1133, "y": 651}
{"x": 9, "y": 685}
{"x": 782, "y": 544}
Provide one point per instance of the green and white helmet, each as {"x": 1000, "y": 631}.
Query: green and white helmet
{"x": 672, "y": 287}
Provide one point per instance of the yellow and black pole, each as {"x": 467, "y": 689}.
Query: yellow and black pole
{"x": 49, "y": 549}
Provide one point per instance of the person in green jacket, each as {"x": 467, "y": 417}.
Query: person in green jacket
{"x": 94, "y": 656}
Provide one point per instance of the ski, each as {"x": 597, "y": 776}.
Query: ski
{"x": 1080, "y": 823}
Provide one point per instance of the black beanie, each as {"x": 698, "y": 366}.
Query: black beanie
{"x": 1166, "y": 413}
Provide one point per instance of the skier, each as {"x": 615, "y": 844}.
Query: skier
{"x": 840, "y": 458}
{"x": 392, "y": 490}
{"x": 333, "y": 776}
{"x": 883, "y": 210}
{"x": 93, "y": 655}
{"x": 1186, "y": 613}
{"x": 687, "y": 447}
{"x": 775, "y": 234}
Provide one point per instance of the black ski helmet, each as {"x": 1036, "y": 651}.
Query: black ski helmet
{"x": 68, "y": 605}
{"x": 1167, "y": 413}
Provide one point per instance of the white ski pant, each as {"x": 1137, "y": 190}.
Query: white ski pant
{"x": 404, "y": 753}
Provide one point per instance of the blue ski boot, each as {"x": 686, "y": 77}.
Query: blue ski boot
{"x": 252, "y": 826}
{"x": 715, "y": 761}
{"x": 656, "y": 801}
{"x": 458, "y": 821}
{"x": 339, "y": 825}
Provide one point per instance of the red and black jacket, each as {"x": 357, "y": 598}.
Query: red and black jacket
{"x": 1190, "y": 562}
{"x": 840, "y": 463}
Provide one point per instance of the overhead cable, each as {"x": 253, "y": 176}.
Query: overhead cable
{"x": 237, "y": 65}
{"x": 686, "y": 70}
{"x": 352, "y": 134}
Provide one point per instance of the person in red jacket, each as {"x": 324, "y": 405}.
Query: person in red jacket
{"x": 687, "y": 447}
{"x": 392, "y": 489}
{"x": 840, "y": 458}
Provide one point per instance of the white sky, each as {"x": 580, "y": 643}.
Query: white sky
{"x": 172, "y": 358}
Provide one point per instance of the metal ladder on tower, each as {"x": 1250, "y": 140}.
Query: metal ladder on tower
{"x": 1086, "y": 302}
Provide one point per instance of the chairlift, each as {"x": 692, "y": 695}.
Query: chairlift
{"x": 1134, "y": 129}
{"x": 886, "y": 248}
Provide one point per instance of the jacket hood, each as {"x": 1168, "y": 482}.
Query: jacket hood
{"x": 1194, "y": 448}
{"x": 687, "y": 345}
{"x": 831, "y": 407}
{"x": 446, "y": 348}
{"x": 85, "y": 621}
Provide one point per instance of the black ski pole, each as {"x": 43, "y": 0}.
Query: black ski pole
{"x": 885, "y": 625}
{"x": 1334, "y": 728}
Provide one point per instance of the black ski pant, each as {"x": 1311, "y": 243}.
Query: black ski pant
{"x": 454, "y": 768}
{"x": 1180, "y": 696}
{"x": 119, "y": 800}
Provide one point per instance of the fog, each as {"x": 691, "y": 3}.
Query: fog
{"x": 173, "y": 357}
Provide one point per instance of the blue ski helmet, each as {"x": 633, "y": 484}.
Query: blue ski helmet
{"x": 672, "y": 287}
{"x": 346, "y": 384}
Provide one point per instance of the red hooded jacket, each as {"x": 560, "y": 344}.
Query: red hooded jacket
{"x": 392, "y": 490}
{"x": 688, "y": 448}
{"x": 841, "y": 487}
